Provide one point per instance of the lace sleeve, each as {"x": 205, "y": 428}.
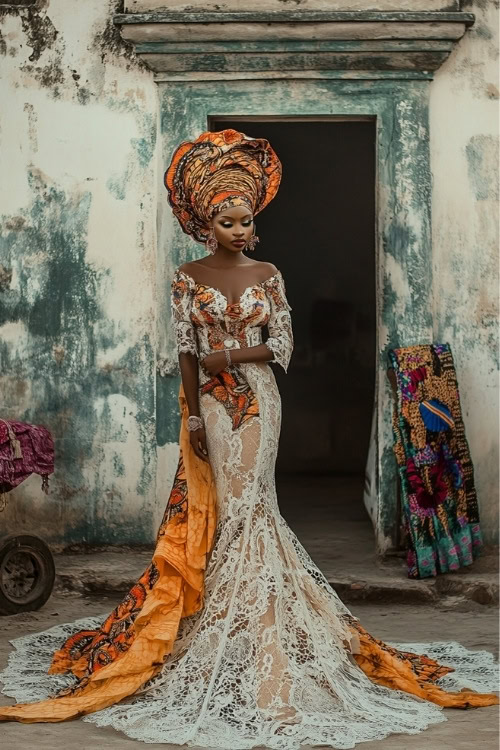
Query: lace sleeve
{"x": 181, "y": 300}
{"x": 280, "y": 341}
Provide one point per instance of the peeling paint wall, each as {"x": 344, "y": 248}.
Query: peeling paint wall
{"x": 84, "y": 289}
{"x": 464, "y": 159}
{"x": 78, "y": 269}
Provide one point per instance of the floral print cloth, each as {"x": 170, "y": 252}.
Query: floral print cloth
{"x": 440, "y": 512}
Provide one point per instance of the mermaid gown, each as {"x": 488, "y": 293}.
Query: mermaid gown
{"x": 233, "y": 638}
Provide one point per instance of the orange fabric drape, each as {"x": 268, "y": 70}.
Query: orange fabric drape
{"x": 412, "y": 673}
{"x": 179, "y": 559}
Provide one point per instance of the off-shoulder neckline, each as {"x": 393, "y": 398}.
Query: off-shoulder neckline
{"x": 215, "y": 289}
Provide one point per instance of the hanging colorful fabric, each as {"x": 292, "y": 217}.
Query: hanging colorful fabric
{"x": 439, "y": 504}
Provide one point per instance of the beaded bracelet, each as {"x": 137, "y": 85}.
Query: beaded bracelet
{"x": 227, "y": 352}
{"x": 194, "y": 423}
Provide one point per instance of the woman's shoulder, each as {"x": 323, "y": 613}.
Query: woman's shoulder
{"x": 267, "y": 270}
{"x": 274, "y": 284}
{"x": 184, "y": 271}
{"x": 184, "y": 268}
{"x": 189, "y": 270}
{"x": 182, "y": 280}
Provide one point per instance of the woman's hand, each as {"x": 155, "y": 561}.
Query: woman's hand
{"x": 198, "y": 441}
{"x": 215, "y": 362}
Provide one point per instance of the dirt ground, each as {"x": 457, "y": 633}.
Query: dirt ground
{"x": 473, "y": 625}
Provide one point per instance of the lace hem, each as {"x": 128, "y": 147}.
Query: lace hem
{"x": 152, "y": 718}
{"x": 474, "y": 670}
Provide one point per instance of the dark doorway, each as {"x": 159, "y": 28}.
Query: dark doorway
{"x": 320, "y": 232}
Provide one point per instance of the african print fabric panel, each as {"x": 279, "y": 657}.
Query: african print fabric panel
{"x": 439, "y": 503}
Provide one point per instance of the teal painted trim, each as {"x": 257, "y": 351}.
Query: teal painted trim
{"x": 313, "y": 75}
{"x": 295, "y": 16}
{"x": 294, "y": 61}
{"x": 167, "y": 410}
{"x": 389, "y": 45}
{"x": 407, "y": 241}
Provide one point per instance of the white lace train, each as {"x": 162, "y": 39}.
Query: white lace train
{"x": 155, "y": 716}
{"x": 265, "y": 662}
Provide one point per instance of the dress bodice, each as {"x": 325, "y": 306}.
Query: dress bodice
{"x": 205, "y": 322}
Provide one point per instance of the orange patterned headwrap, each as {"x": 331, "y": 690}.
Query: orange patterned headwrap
{"x": 219, "y": 170}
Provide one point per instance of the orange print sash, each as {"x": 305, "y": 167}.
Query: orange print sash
{"x": 132, "y": 644}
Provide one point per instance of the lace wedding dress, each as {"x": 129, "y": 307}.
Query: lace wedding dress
{"x": 273, "y": 658}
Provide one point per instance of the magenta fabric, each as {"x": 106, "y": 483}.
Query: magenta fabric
{"x": 37, "y": 449}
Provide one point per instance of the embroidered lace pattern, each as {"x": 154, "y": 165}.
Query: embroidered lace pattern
{"x": 154, "y": 715}
{"x": 204, "y": 321}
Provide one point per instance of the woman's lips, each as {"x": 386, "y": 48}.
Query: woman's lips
{"x": 238, "y": 242}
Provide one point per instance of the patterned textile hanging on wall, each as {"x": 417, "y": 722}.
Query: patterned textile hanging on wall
{"x": 439, "y": 503}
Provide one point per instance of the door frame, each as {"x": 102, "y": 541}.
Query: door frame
{"x": 402, "y": 231}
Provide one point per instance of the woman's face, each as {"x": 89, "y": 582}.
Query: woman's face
{"x": 233, "y": 227}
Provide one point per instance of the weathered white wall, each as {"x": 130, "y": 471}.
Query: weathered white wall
{"x": 77, "y": 268}
{"x": 464, "y": 160}
{"x": 78, "y": 274}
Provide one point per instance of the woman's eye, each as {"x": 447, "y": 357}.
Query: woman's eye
{"x": 227, "y": 225}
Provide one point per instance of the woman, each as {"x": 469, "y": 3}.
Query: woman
{"x": 233, "y": 638}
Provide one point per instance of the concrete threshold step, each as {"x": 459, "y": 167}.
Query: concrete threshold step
{"x": 114, "y": 572}
{"x": 482, "y": 590}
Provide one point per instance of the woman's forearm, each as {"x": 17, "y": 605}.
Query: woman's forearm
{"x": 259, "y": 353}
{"x": 188, "y": 364}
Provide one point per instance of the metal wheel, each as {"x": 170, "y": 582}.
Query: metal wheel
{"x": 27, "y": 574}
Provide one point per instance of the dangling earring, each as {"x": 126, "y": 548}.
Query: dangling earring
{"x": 252, "y": 241}
{"x": 212, "y": 243}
